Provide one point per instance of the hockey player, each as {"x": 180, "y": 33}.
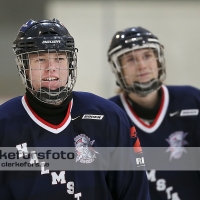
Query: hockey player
{"x": 50, "y": 114}
{"x": 165, "y": 116}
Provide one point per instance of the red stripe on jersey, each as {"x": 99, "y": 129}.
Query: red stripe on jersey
{"x": 157, "y": 116}
{"x": 47, "y": 123}
{"x": 133, "y": 132}
{"x": 137, "y": 148}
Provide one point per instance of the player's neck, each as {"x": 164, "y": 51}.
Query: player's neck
{"x": 50, "y": 113}
{"x": 146, "y": 112}
{"x": 148, "y": 101}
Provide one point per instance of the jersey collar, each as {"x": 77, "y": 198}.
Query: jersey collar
{"x": 44, "y": 124}
{"x": 159, "y": 117}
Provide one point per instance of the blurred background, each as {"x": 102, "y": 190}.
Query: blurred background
{"x": 93, "y": 23}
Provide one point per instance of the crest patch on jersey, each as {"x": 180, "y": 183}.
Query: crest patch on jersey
{"x": 85, "y": 153}
{"x": 176, "y": 141}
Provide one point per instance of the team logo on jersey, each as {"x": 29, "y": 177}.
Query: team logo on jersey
{"x": 176, "y": 141}
{"x": 84, "y": 150}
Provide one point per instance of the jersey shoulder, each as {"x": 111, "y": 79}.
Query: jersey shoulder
{"x": 183, "y": 89}
{"x": 186, "y": 93}
{"x": 84, "y": 102}
{"x": 11, "y": 108}
{"x": 87, "y": 100}
{"x": 116, "y": 99}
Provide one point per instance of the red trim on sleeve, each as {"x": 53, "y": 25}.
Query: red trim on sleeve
{"x": 137, "y": 148}
{"x": 133, "y": 132}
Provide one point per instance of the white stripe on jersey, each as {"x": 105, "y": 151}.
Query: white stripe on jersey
{"x": 49, "y": 127}
{"x": 159, "y": 118}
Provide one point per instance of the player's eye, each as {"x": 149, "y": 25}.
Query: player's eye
{"x": 148, "y": 56}
{"x": 38, "y": 59}
{"x": 130, "y": 59}
{"x": 42, "y": 59}
{"x": 61, "y": 58}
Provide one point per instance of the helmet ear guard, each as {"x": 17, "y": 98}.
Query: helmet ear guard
{"x": 132, "y": 39}
{"x": 45, "y": 36}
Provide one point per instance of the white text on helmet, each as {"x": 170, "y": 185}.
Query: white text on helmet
{"x": 51, "y": 41}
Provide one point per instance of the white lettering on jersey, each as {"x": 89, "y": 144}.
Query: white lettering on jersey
{"x": 43, "y": 171}
{"x": 182, "y": 113}
{"x": 97, "y": 117}
{"x": 77, "y": 196}
{"x": 22, "y": 148}
{"x": 58, "y": 178}
{"x": 161, "y": 185}
{"x": 175, "y": 196}
{"x": 191, "y": 112}
{"x": 140, "y": 162}
{"x": 70, "y": 190}
{"x": 34, "y": 158}
{"x": 70, "y": 187}
{"x": 168, "y": 191}
{"x": 151, "y": 176}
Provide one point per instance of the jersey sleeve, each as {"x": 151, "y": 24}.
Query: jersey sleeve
{"x": 129, "y": 181}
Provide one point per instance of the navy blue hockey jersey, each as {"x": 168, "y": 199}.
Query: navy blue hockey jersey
{"x": 90, "y": 120}
{"x": 176, "y": 124}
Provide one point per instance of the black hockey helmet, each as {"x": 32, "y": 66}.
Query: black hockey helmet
{"x": 45, "y": 36}
{"x": 131, "y": 39}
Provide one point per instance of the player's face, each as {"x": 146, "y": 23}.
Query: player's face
{"x": 139, "y": 66}
{"x": 49, "y": 70}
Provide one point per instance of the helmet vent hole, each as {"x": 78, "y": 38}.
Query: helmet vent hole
{"x": 27, "y": 44}
{"x": 50, "y": 33}
{"x": 131, "y": 34}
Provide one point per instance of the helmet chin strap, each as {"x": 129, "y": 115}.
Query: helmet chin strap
{"x": 143, "y": 89}
{"x": 55, "y": 97}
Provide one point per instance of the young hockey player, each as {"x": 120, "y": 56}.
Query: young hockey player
{"x": 51, "y": 115}
{"x": 165, "y": 116}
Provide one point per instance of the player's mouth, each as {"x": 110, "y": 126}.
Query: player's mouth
{"x": 50, "y": 79}
{"x": 51, "y": 82}
{"x": 143, "y": 74}
{"x": 144, "y": 77}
